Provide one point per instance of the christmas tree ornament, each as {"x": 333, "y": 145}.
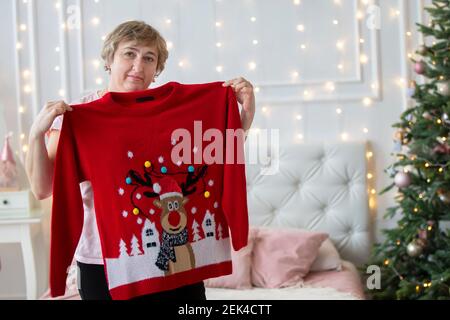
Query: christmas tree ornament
{"x": 443, "y": 88}
{"x": 402, "y": 179}
{"x": 420, "y": 67}
{"x": 422, "y": 50}
{"x": 413, "y": 249}
{"x": 444, "y": 196}
{"x": 399, "y": 135}
{"x": 397, "y": 146}
{"x": 442, "y": 148}
{"x": 427, "y": 115}
{"x": 422, "y": 234}
{"x": 8, "y": 170}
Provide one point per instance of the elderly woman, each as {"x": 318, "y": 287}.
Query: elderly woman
{"x": 134, "y": 54}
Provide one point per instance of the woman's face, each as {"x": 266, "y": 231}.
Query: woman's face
{"x": 133, "y": 67}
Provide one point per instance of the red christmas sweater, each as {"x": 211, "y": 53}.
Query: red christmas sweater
{"x": 168, "y": 176}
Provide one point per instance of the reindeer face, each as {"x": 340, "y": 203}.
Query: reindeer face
{"x": 173, "y": 216}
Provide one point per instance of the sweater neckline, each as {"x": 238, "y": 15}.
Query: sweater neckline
{"x": 145, "y": 101}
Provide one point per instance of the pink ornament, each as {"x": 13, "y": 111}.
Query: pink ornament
{"x": 402, "y": 180}
{"x": 423, "y": 234}
{"x": 442, "y": 148}
{"x": 420, "y": 67}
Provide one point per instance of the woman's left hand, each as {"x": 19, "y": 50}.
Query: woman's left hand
{"x": 246, "y": 97}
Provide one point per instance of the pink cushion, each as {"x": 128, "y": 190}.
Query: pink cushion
{"x": 241, "y": 276}
{"x": 282, "y": 257}
{"x": 328, "y": 258}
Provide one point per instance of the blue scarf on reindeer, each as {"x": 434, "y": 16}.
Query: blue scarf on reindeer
{"x": 167, "y": 251}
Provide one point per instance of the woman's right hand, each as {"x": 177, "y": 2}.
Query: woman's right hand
{"x": 47, "y": 115}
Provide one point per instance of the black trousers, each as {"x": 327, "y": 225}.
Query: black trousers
{"x": 92, "y": 286}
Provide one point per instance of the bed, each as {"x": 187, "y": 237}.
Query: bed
{"x": 317, "y": 187}
{"x": 320, "y": 187}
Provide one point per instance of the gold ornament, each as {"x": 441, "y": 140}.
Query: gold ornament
{"x": 414, "y": 249}
{"x": 399, "y": 135}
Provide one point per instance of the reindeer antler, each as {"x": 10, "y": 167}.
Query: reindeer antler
{"x": 137, "y": 180}
{"x": 192, "y": 178}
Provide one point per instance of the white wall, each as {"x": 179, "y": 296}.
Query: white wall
{"x": 194, "y": 35}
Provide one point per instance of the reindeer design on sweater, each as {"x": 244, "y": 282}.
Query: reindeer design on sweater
{"x": 176, "y": 254}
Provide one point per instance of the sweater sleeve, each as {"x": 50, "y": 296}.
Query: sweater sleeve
{"x": 234, "y": 196}
{"x": 67, "y": 209}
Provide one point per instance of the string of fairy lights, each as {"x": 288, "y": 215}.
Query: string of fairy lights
{"x": 329, "y": 86}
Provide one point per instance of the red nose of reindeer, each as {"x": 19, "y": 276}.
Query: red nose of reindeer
{"x": 174, "y": 218}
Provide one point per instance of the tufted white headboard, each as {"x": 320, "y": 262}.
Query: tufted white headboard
{"x": 318, "y": 187}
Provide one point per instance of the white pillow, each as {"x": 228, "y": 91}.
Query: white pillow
{"x": 328, "y": 258}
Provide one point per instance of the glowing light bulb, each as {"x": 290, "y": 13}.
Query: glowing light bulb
{"x": 367, "y": 102}
{"x": 338, "y": 110}
{"x": 344, "y": 136}
{"x": 26, "y": 74}
{"x": 255, "y": 42}
{"x": 95, "y": 21}
{"x": 300, "y": 27}
{"x": 364, "y": 59}
{"x": 96, "y": 63}
{"x": 330, "y": 86}
{"x": 252, "y": 65}
{"x": 219, "y": 68}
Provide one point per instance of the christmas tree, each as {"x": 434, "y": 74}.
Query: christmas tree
{"x": 414, "y": 257}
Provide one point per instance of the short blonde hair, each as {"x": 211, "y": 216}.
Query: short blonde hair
{"x": 140, "y": 32}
